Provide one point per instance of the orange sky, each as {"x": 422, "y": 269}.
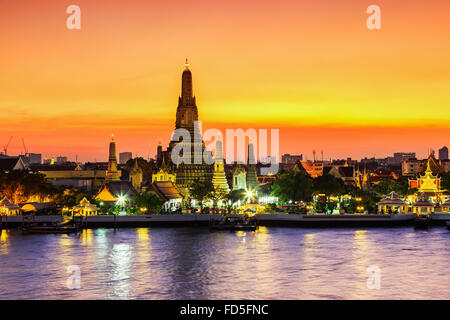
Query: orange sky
{"x": 310, "y": 68}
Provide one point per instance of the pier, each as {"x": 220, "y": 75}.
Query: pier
{"x": 198, "y": 220}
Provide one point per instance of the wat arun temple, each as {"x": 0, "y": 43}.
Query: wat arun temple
{"x": 199, "y": 165}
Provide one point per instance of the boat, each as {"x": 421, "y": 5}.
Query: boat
{"x": 56, "y": 229}
{"x": 233, "y": 224}
{"x": 422, "y": 222}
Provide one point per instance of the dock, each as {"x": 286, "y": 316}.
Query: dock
{"x": 203, "y": 220}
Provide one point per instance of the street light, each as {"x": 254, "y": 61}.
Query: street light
{"x": 121, "y": 200}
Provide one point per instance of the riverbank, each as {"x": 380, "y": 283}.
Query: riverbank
{"x": 198, "y": 220}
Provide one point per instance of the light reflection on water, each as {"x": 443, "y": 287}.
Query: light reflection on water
{"x": 183, "y": 263}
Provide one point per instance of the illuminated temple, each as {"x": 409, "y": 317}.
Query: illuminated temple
{"x": 428, "y": 181}
{"x": 186, "y": 118}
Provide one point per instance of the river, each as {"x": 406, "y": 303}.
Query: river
{"x": 193, "y": 263}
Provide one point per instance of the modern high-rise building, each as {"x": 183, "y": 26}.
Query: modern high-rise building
{"x": 443, "y": 153}
{"x": 399, "y": 157}
{"x": 124, "y": 157}
{"x": 61, "y": 159}
{"x": 35, "y": 158}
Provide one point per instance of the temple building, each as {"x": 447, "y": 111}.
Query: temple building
{"x": 392, "y": 203}
{"x": 445, "y": 207}
{"x": 8, "y": 208}
{"x": 187, "y": 119}
{"x": 423, "y": 205}
{"x": 113, "y": 173}
{"x": 346, "y": 173}
{"x": 428, "y": 181}
{"x": 164, "y": 174}
{"x": 168, "y": 193}
{"x": 114, "y": 189}
{"x": 314, "y": 169}
{"x": 219, "y": 179}
{"x": 84, "y": 208}
{"x": 136, "y": 176}
{"x": 252, "y": 177}
{"x": 239, "y": 178}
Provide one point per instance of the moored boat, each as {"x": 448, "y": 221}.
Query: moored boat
{"x": 233, "y": 224}
{"x": 57, "y": 229}
{"x": 422, "y": 222}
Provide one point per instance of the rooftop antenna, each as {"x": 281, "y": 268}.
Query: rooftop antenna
{"x": 314, "y": 155}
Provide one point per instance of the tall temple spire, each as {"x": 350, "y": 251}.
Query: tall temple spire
{"x": 252, "y": 177}
{"x": 219, "y": 180}
{"x": 187, "y": 118}
{"x": 136, "y": 176}
{"x": 187, "y": 112}
{"x": 112, "y": 174}
{"x": 187, "y": 96}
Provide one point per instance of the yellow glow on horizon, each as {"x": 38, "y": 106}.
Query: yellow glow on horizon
{"x": 311, "y": 68}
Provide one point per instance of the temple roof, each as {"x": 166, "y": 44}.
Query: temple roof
{"x": 136, "y": 169}
{"x": 392, "y": 198}
{"x": 446, "y": 203}
{"x": 15, "y": 163}
{"x": 85, "y": 204}
{"x": 423, "y": 201}
{"x": 434, "y": 165}
{"x": 166, "y": 190}
{"x": 238, "y": 169}
{"x": 5, "y": 201}
{"x": 115, "y": 188}
{"x": 343, "y": 171}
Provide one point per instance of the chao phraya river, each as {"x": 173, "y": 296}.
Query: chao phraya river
{"x": 193, "y": 263}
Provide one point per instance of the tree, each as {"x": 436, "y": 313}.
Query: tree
{"x": 148, "y": 201}
{"x": 328, "y": 185}
{"x": 292, "y": 186}
{"x": 386, "y": 186}
{"x": 236, "y": 195}
{"x": 18, "y": 186}
{"x": 71, "y": 197}
{"x": 217, "y": 194}
{"x": 200, "y": 190}
{"x": 445, "y": 182}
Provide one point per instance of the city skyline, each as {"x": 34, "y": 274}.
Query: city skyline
{"x": 328, "y": 83}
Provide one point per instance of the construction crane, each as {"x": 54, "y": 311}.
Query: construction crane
{"x": 5, "y": 148}
{"x": 25, "y": 150}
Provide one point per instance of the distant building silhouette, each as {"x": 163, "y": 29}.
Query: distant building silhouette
{"x": 443, "y": 153}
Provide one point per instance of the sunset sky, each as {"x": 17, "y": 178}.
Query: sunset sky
{"x": 310, "y": 68}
